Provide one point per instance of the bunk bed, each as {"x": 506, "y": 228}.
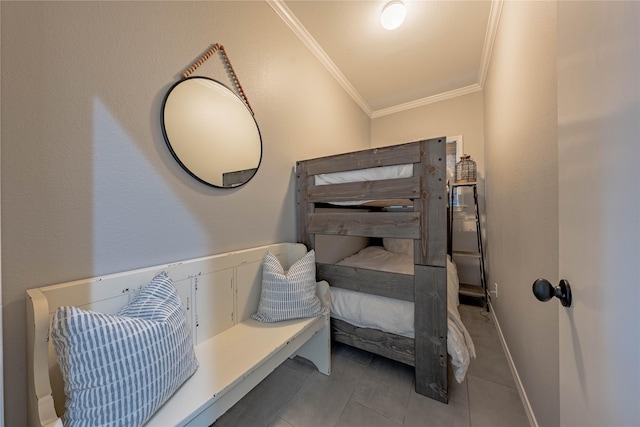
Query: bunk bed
{"x": 396, "y": 193}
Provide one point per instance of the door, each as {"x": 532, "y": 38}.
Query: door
{"x": 599, "y": 227}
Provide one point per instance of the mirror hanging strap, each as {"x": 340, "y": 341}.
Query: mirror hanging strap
{"x": 227, "y": 63}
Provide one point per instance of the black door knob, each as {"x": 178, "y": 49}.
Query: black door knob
{"x": 544, "y": 291}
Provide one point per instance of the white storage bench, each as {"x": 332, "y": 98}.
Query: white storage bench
{"x": 219, "y": 293}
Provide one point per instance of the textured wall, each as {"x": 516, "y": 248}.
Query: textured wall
{"x": 457, "y": 116}
{"x": 522, "y": 194}
{"x": 88, "y": 185}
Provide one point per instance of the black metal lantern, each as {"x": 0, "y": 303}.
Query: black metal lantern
{"x": 466, "y": 169}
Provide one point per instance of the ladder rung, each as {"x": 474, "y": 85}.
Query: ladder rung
{"x": 471, "y": 290}
{"x": 466, "y": 253}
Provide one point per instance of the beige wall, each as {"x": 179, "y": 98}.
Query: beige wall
{"x": 88, "y": 185}
{"x": 462, "y": 115}
{"x": 522, "y": 194}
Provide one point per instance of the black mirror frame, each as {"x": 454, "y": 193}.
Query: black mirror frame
{"x": 174, "y": 154}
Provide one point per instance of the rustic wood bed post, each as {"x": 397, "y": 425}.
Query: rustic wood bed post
{"x": 304, "y": 207}
{"x": 431, "y": 274}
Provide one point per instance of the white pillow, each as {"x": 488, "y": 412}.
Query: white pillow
{"x": 398, "y": 246}
{"x": 291, "y": 294}
{"x": 119, "y": 369}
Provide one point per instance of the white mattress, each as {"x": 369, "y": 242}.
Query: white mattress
{"x": 369, "y": 174}
{"x": 396, "y": 316}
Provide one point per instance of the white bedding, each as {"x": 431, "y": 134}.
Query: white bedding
{"x": 396, "y": 316}
{"x": 369, "y": 174}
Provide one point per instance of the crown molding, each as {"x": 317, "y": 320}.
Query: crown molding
{"x": 296, "y": 26}
{"x": 289, "y": 18}
{"x": 489, "y": 39}
{"x": 428, "y": 100}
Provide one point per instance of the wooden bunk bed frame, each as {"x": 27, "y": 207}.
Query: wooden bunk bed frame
{"x": 426, "y": 224}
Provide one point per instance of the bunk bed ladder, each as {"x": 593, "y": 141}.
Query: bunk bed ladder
{"x": 471, "y": 291}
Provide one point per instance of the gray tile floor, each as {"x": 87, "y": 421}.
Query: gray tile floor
{"x": 367, "y": 390}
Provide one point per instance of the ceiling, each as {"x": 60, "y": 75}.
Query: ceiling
{"x": 441, "y": 51}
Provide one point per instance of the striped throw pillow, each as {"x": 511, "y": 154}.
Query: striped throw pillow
{"x": 291, "y": 294}
{"x": 119, "y": 369}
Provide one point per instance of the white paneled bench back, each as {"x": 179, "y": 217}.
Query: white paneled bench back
{"x": 213, "y": 298}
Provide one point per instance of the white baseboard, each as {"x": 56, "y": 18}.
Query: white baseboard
{"x": 523, "y": 394}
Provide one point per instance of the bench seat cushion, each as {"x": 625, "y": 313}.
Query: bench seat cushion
{"x": 119, "y": 369}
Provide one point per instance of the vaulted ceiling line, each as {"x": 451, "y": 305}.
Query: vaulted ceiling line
{"x": 289, "y": 18}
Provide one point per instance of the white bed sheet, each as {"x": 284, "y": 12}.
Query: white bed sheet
{"x": 368, "y": 174}
{"x": 396, "y": 316}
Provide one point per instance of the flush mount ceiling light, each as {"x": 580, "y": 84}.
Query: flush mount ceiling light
{"x": 393, "y": 15}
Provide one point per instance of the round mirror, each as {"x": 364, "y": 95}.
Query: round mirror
{"x": 211, "y": 132}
